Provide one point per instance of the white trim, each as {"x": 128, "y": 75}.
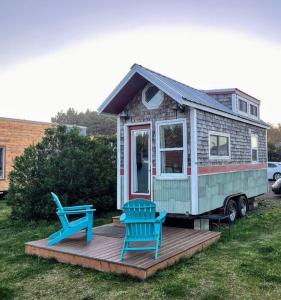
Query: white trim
{"x": 257, "y": 107}
{"x": 183, "y": 148}
{"x": 255, "y": 148}
{"x": 126, "y": 167}
{"x": 118, "y": 165}
{"x": 117, "y": 89}
{"x": 173, "y": 93}
{"x": 249, "y": 103}
{"x": 155, "y": 104}
{"x": 217, "y": 133}
{"x": 193, "y": 161}
{"x": 149, "y": 161}
{"x": 234, "y": 100}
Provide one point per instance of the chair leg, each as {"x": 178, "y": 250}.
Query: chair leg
{"x": 89, "y": 234}
{"x": 156, "y": 248}
{"x": 125, "y": 244}
{"x": 89, "y": 229}
{"x": 160, "y": 237}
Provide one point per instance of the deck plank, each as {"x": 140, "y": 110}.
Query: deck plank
{"x": 103, "y": 253}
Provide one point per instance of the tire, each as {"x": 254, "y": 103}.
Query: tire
{"x": 242, "y": 206}
{"x": 231, "y": 210}
{"x": 276, "y": 176}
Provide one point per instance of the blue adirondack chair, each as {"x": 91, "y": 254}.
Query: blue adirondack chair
{"x": 69, "y": 228}
{"x": 141, "y": 225}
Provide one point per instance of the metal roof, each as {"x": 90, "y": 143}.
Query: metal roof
{"x": 139, "y": 76}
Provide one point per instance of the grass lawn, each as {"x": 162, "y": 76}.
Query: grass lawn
{"x": 247, "y": 266}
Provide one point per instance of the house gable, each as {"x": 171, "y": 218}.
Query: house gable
{"x": 138, "y": 77}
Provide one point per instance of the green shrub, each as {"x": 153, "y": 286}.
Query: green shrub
{"x": 79, "y": 169}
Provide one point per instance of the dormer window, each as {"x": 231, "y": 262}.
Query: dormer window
{"x": 253, "y": 110}
{"x": 243, "y": 106}
{"x": 152, "y": 97}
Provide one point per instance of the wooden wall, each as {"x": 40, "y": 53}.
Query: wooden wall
{"x": 15, "y": 136}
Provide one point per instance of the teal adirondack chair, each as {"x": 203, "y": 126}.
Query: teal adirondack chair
{"x": 141, "y": 225}
{"x": 69, "y": 228}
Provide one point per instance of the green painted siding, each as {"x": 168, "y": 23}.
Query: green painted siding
{"x": 172, "y": 196}
{"x": 214, "y": 188}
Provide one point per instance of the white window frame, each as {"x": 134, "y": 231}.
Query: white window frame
{"x": 241, "y": 111}
{"x": 248, "y": 113}
{"x": 3, "y": 160}
{"x": 150, "y": 105}
{"x": 257, "y": 148}
{"x": 254, "y": 116}
{"x": 160, "y": 175}
{"x": 229, "y": 146}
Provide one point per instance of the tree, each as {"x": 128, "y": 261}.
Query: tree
{"x": 97, "y": 124}
{"x": 79, "y": 169}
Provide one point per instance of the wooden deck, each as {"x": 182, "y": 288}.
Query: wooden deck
{"x": 103, "y": 253}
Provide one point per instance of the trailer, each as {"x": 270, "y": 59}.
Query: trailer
{"x": 188, "y": 150}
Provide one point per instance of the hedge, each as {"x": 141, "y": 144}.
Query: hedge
{"x": 79, "y": 169}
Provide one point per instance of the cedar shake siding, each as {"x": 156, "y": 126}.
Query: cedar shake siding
{"x": 240, "y": 139}
{"x": 139, "y": 113}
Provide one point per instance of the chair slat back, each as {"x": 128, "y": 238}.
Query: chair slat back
{"x": 139, "y": 210}
{"x": 62, "y": 216}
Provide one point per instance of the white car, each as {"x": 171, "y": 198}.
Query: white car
{"x": 273, "y": 170}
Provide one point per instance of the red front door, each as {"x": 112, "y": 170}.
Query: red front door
{"x": 139, "y": 162}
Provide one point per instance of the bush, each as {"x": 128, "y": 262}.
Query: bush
{"x": 79, "y": 169}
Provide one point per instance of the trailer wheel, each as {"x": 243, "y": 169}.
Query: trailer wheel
{"x": 231, "y": 210}
{"x": 242, "y": 206}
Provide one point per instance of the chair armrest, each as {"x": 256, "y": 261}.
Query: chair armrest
{"x": 74, "y": 212}
{"x": 77, "y": 207}
{"x": 122, "y": 218}
{"x": 161, "y": 217}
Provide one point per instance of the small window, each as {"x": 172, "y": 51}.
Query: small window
{"x": 152, "y": 97}
{"x": 254, "y": 147}
{"x": 219, "y": 145}
{"x": 253, "y": 110}
{"x": 1, "y": 162}
{"x": 243, "y": 106}
{"x": 171, "y": 149}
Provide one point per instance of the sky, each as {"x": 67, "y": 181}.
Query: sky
{"x": 60, "y": 54}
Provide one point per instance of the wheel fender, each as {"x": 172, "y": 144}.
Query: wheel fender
{"x": 232, "y": 197}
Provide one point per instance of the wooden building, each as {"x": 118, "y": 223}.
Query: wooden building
{"x": 190, "y": 151}
{"x": 15, "y": 136}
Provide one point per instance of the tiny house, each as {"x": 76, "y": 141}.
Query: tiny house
{"x": 190, "y": 151}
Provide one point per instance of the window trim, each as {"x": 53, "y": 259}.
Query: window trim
{"x": 148, "y": 105}
{"x": 4, "y": 162}
{"x": 255, "y": 116}
{"x": 248, "y": 113}
{"x": 247, "y": 104}
{"x": 257, "y": 148}
{"x": 223, "y": 134}
{"x": 160, "y": 175}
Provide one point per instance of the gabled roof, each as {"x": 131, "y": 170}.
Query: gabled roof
{"x": 139, "y": 76}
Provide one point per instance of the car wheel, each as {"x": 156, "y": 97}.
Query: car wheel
{"x": 231, "y": 211}
{"x": 242, "y": 206}
{"x": 276, "y": 176}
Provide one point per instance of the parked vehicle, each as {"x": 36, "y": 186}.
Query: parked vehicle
{"x": 273, "y": 170}
{"x": 276, "y": 187}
